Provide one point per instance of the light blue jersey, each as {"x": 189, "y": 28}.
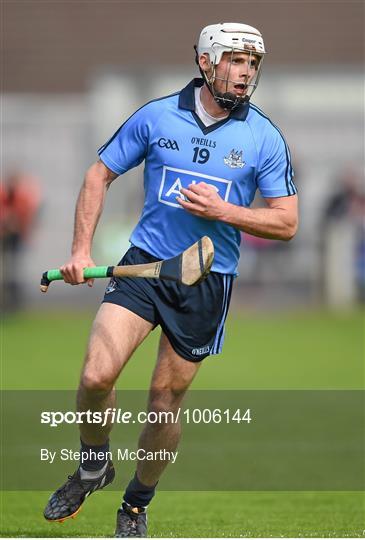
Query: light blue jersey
{"x": 237, "y": 156}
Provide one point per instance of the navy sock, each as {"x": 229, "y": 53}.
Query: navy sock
{"x": 137, "y": 494}
{"x": 95, "y": 458}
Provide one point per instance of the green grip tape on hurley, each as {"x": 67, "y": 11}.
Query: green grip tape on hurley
{"x": 93, "y": 272}
{"x": 96, "y": 272}
{"x": 52, "y": 275}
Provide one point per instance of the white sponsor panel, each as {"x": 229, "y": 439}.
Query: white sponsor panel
{"x": 174, "y": 179}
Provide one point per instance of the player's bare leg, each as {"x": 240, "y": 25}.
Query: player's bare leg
{"x": 171, "y": 379}
{"x": 115, "y": 334}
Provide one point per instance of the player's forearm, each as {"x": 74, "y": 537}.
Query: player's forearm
{"x": 273, "y": 223}
{"x": 88, "y": 210}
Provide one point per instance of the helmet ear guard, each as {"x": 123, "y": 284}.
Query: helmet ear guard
{"x": 196, "y": 55}
{"x": 216, "y": 39}
{"x": 226, "y": 100}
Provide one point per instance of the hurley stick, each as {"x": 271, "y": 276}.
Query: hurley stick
{"x": 189, "y": 268}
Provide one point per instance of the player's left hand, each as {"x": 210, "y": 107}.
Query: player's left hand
{"x": 203, "y": 201}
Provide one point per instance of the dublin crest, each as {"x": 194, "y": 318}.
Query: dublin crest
{"x": 234, "y": 159}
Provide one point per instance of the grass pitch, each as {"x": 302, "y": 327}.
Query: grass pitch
{"x": 296, "y": 351}
{"x": 293, "y": 351}
{"x": 199, "y": 514}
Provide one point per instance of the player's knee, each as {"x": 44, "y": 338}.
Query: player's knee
{"x": 158, "y": 407}
{"x": 164, "y": 400}
{"x": 162, "y": 415}
{"x": 94, "y": 381}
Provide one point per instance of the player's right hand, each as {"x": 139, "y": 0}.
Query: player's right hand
{"x": 73, "y": 270}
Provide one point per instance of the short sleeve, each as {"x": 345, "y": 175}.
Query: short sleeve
{"x": 127, "y": 148}
{"x": 275, "y": 174}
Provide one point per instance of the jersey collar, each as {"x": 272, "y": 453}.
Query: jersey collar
{"x": 187, "y": 100}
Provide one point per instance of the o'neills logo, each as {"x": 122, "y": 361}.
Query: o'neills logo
{"x": 201, "y": 350}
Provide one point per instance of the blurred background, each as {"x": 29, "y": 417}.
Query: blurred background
{"x": 74, "y": 71}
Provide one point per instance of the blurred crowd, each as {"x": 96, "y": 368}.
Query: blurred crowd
{"x": 20, "y": 202}
{"x": 344, "y": 222}
{"x": 341, "y": 240}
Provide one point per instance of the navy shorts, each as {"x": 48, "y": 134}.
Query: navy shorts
{"x": 191, "y": 317}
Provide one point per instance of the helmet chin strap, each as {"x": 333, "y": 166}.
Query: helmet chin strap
{"x": 226, "y": 100}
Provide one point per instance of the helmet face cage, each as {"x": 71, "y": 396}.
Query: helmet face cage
{"x": 229, "y": 100}
{"x": 217, "y": 39}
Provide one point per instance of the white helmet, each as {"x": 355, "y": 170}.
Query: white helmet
{"x": 225, "y": 37}
{"x": 216, "y": 39}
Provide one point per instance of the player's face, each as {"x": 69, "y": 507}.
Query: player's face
{"x": 234, "y": 72}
